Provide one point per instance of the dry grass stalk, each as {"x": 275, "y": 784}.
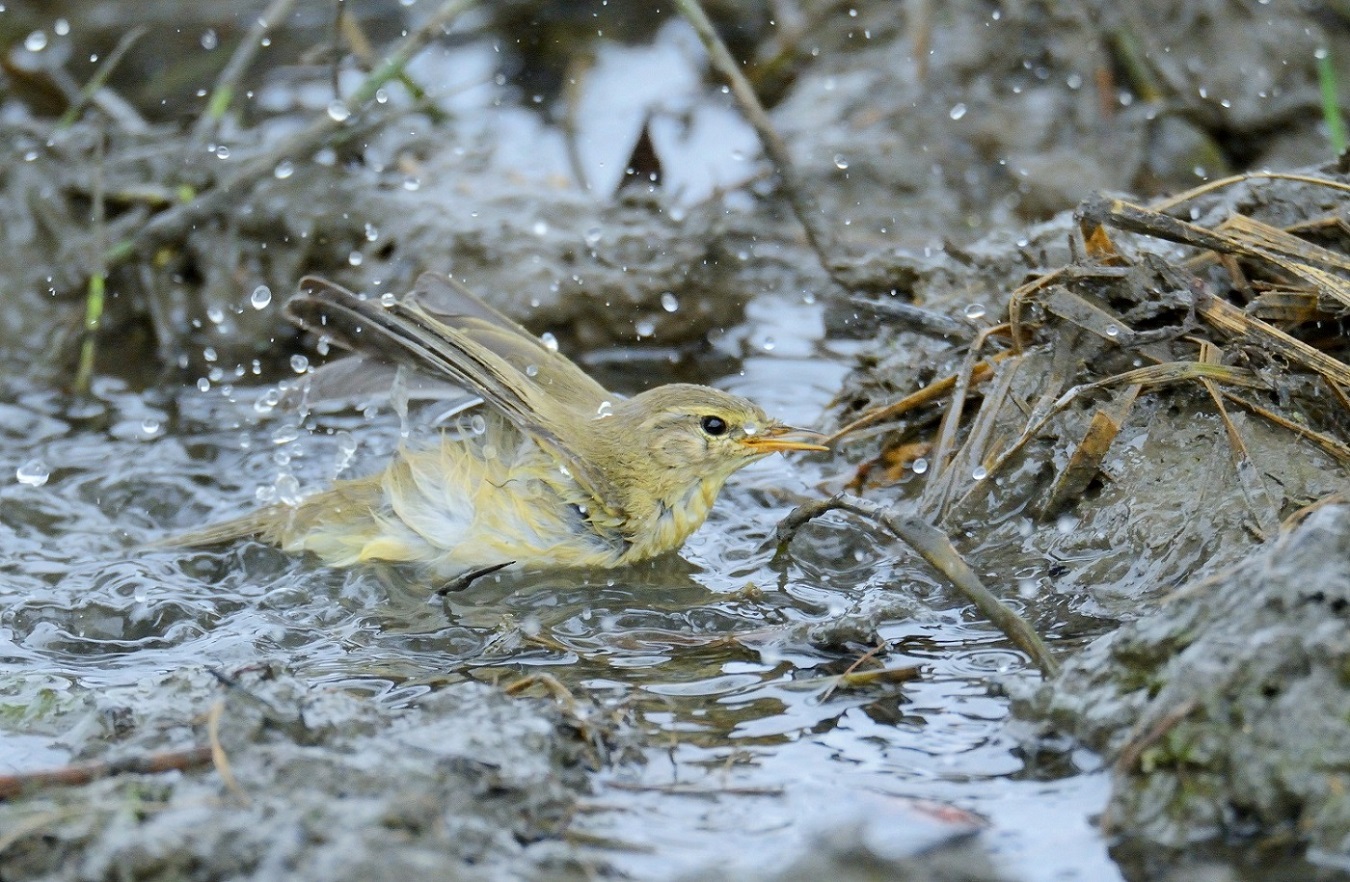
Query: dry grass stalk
{"x": 1287, "y": 287}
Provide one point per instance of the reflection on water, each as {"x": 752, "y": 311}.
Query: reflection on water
{"x": 728, "y": 658}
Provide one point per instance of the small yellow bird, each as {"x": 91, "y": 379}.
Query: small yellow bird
{"x": 563, "y": 473}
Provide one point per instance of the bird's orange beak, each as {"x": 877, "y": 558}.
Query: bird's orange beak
{"x": 781, "y": 439}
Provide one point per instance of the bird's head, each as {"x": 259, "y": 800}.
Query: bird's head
{"x": 668, "y": 440}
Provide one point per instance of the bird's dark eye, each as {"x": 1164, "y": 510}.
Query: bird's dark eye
{"x": 713, "y": 425}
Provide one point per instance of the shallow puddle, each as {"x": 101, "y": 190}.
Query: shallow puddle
{"x": 725, "y": 658}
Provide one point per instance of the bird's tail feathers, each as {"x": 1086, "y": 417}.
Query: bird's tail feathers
{"x": 256, "y": 523}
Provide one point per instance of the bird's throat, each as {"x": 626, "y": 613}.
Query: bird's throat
{"x": 672, "y": 521}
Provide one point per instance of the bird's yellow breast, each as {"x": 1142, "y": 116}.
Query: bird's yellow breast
{"x": 666, "y": 528}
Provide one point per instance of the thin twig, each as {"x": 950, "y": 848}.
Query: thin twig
{"x": 803, "y": 204}
{"x": 219, "y": 757}
{"x": 951, "y": 416}
{"x": 927, "y": 395}
{"x": 294, "y": 726}
{"x": 978, "y": 447}
{"x": 693, "y": 789}
{"x": 857, "y": 663}
{"x": 1172, "y": 202}
{"x": 83, "y": 773}
{"x": 227, "y": 84}
{"x": 99, "y": 78}
{"x": 98, "y": 280}
{"x": 915, "y": 318}
{"x": 934, "y": 547}
{"x": 1147, "y": 733}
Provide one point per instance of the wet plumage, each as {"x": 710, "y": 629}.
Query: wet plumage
{"x": 565, "y": 474}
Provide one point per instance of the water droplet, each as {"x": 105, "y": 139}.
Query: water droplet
{"x": 593, "y": 237}
{"x": 356, "y": 258}
{"x": 769, "y": 344}
{"x": 338, "y": 111}
{"x": 489, "y": 451}
{"x": 222, "y": 152}
{"x": 540, "y": 228}
{"x": 750, "y": 428}
{"x": 957, "y": 111}
{"x": 1112, "y": 331}
{"x": 669, "y": 302}
{"x": 346, "y": 443}
{"x": 644, "y": 327}
{"x": 840, "y": 162}
{"x": 261, "y": 297}
{"x": 388, "y": 299}
{"x": 284, "y": 170}
{"x": 150, "y": 426}
{"x": 605, "y": 409}
{"x": 531, "y": 370}
{"x": 288, "y": 490}
{"x": 550, "y": 342}
{"x": 1065, "y": 524}
{"x": 35, "y": 42}
{"x": 372, "y": 232}
{"x": 412, "y": 184}
{"x": 215, "y": 314}
{"x": 33, "y": 473}
{"x": 562, "y": 470}
{"x": 920, "y": 466}
{"x": 61, "y": 27}
{"x": 299, "y": 363}
{"x": 980, "y": 473}
{"x": 268, "y": 400}
{"x": 209, "y": 353}
{"x": 209, "y": 39}
{"x": 974, "y": 311}
{"x": 477, "y": 424}
{"x": 285, "y": 434}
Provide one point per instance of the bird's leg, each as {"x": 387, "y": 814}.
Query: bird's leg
{"x": 467, "y": 578}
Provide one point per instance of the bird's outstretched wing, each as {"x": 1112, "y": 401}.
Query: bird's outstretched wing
{"x": 454, "y": 305}
{"x": 475, "y": 347}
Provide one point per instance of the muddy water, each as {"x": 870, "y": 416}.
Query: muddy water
{"x": 724, "y": 659}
